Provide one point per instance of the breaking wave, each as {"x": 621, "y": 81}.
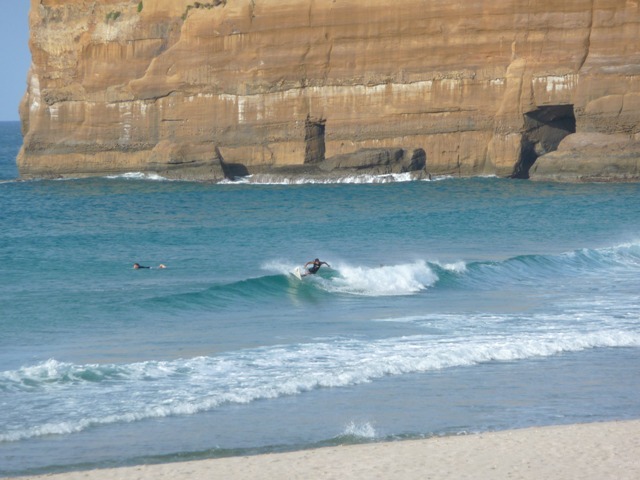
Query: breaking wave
{"x": 411, "y": 278}
{"x": 78, "y": 396}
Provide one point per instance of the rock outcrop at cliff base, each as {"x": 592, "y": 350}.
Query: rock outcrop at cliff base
{"x": 591, "y": 157}
{"x": 209, "y": 90}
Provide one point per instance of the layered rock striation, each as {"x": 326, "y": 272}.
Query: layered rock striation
{"x": 207, "y": 90}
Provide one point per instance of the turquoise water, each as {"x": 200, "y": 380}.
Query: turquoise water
{"x": 451, "y": 306}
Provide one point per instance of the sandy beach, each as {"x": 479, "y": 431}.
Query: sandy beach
{"x": 608, "y": 450}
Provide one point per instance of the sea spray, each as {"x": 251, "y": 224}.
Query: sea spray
{"x": 359, "y": 430}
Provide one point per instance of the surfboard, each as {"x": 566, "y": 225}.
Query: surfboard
{"x": 296, "y": 273}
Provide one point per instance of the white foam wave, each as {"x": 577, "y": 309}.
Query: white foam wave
{"x": 274, "y": 179}
{"x": 184, "y": 387}
{"x": 139, "y": 176}
{"x": 34, "y": 375}
{"x": 455, "y": 267}
{"x": 360, "y": 430}
{"x": 624, "y": 255}
{"x": 440, "y": 178}
{"x": 403, "y": 319}
{"x": 385, "y": 280}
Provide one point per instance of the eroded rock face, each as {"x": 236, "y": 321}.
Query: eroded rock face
{"x": 190, "y": 88}
{"x": 591, "y": 157}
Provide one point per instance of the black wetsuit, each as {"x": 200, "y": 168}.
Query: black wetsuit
{"x": 314, "y": 268}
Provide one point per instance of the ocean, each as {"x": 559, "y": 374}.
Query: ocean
{"x": 451, "y": 306}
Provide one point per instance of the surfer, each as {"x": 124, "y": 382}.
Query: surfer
{"x": 137, "y": 266}
{"x": 315, "y": 266}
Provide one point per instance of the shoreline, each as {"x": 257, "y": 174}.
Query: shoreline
{"x": 603, "y": 450}
{"x": 308, "y": 176}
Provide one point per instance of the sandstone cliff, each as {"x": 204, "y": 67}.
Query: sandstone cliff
{"x": 201, "y": 89}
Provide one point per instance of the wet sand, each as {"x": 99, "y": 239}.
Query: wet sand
{"x": 609, "y": 450}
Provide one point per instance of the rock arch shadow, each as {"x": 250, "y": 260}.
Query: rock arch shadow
{"x": 544, "y": 129}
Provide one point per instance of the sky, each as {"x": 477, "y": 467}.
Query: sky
{"x": 15, "y": 57}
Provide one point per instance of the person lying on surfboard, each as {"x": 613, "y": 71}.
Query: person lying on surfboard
{"x": 315, "y": 266}
{"x": 137, "y": 266}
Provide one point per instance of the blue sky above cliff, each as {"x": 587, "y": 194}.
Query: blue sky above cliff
{"x": 15, "y": 57}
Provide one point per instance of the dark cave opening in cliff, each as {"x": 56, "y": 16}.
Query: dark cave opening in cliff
{"x": 544, "y": 129}
{"x": 314, "y": 140}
